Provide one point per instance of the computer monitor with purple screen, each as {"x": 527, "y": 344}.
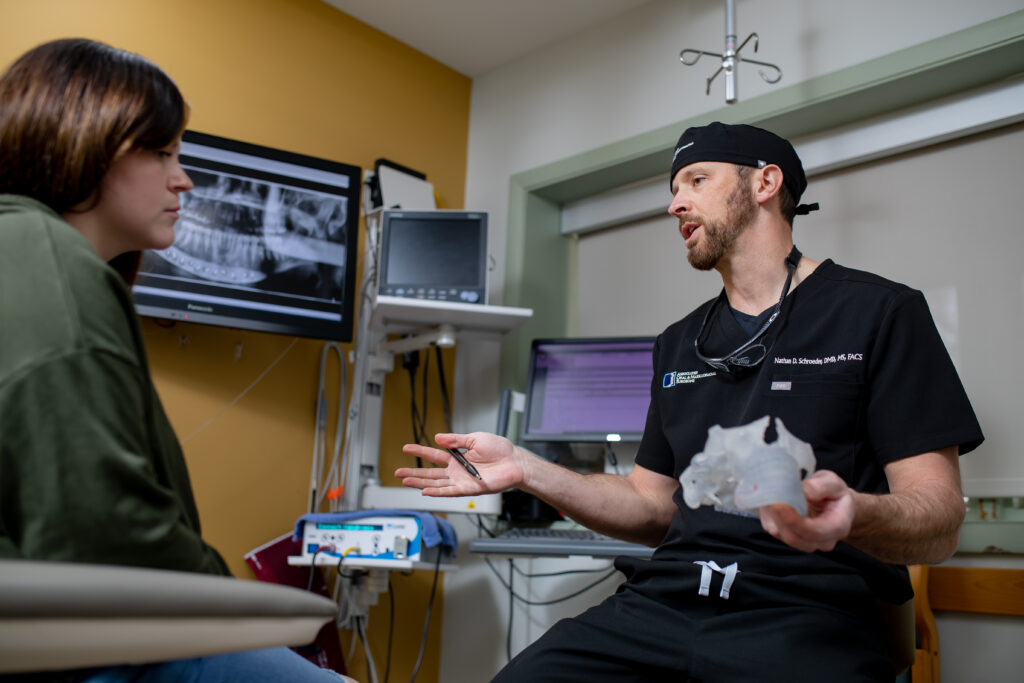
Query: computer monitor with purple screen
{"x": 588, "y": 389}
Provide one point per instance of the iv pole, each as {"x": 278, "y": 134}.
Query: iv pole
{"x": 731, "y": 57}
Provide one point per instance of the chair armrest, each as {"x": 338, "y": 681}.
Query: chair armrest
{"x": 57, "y": 615}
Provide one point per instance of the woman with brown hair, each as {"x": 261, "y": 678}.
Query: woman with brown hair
{"x": 90, "y": 468}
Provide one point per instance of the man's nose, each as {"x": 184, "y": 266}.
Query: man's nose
{"x": 679, "y": 204}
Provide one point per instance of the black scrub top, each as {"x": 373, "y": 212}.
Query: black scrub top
{"x": 855, "y": 367}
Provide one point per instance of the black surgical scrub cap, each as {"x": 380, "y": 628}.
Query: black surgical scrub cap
{"x": 745, "y": 145}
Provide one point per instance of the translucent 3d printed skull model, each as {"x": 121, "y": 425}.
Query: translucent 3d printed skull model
{"x": 738, "y": 471}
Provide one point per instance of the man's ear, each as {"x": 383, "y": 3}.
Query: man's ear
{"x": 768, "y": 182}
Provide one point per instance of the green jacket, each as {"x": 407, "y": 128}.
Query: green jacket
{"x": 90, "y": 469}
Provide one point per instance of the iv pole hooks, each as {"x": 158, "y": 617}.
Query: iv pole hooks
{"x": 731, "y": 57}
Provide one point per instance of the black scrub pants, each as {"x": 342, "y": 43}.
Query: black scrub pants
{"x": 751, "y": 637}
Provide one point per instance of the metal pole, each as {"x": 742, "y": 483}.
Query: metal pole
{"x": 729, "y": 56}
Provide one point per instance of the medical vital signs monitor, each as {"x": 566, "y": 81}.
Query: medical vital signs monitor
{"x": 437, "y": 255}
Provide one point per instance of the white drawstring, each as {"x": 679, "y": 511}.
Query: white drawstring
{"x": 708, "y": 568}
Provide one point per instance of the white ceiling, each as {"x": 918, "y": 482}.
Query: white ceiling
{"x": 475, "y": 36}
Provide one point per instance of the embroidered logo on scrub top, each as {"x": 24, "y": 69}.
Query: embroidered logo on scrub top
{"x": 820, "y": 360}
{"x": 677, "y": 377}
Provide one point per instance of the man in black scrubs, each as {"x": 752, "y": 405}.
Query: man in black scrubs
{"x": 850, "y": 362}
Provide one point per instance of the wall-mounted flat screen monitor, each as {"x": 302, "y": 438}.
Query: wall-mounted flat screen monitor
{"x": 588, "y": 389}
{"x": 266, "y": 240}
{"x": 439, "y": 255}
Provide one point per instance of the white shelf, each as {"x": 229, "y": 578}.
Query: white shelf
{"x": 380, "y": 497}
{"x": 399, "y": 314}
{"x": 370, "y": 563}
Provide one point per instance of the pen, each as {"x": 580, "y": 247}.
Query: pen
{"x": 465, "y": 463}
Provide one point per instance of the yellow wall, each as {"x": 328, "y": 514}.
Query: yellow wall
{"x": 300, "y": 76}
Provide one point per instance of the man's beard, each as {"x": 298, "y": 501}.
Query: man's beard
{"x": 719, "y": 236}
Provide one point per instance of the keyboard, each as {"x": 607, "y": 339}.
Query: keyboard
{"x": 557, "y": 542}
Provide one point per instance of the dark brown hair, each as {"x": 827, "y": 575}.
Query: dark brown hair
{"x": 69, "y": 108}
